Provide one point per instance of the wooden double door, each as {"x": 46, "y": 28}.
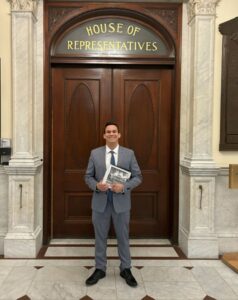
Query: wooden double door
{"x": 139, "y": 99}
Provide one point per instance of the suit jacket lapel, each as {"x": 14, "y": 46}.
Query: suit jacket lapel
{"x": 102, "y": 157}
{"x": 120, "y": 156}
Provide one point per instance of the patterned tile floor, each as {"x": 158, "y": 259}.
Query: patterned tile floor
{"x": 159, "y": 278}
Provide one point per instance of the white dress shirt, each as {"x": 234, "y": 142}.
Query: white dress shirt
{"x": 109, "y": 155}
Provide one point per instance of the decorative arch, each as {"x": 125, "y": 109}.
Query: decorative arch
{"x": 160, "y": 44}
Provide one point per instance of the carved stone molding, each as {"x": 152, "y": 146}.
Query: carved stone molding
{"x": 23, "y": 171}
{"x": 199, "y": 171}
{"x": 56, "y": 14}
{"x": 201, "y": 7}
{"x": 24, "y": 5}
{"x": 169, "y": 16}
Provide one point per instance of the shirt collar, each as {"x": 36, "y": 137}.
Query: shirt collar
{"x": 115, "y": 150}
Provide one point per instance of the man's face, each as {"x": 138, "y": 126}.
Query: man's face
{"x": 111, "y": 134}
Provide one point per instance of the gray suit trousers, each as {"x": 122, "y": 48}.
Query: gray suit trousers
{"x": 101, "y": 222}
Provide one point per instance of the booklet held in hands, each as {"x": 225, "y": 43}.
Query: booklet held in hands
{"x": 115, "y": 174}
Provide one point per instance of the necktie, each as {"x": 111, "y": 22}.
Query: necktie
{"x": 109, "y": 192}
{"x": 112, "y": 158}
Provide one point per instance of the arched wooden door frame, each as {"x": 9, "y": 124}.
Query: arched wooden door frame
{"x": 91, "y": 11}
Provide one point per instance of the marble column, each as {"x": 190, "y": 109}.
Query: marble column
{"x": 24, "y": 236}
{"x": 197, "y": 235}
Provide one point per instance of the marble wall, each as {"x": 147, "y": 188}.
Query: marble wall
{"x": 226, "y": 209}
{"x": 3, "y": 207}
{"x": 24, "y": 224}
{"x": 196, "y": 227}
{"x": 205, "y": 228}
{"x": 226, "y": 213}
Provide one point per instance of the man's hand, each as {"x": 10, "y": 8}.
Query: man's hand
{"x": 117, "y": 188}
{"x": 102, "y": 186}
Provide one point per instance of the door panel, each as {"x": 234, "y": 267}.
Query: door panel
{"x": 79, "y": 95}
{"x": 142, "y": 104}
{"x": 83, "y": 101}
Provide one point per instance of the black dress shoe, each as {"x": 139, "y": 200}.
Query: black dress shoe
{"x": 129, "y": 278}
{"x": 97, "y": 275}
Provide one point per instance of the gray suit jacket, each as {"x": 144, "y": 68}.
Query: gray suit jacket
{"x": 96, "y": 170}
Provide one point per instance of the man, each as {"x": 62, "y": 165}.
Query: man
{"x": 111, "y": 201}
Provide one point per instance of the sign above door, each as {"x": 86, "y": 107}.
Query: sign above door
{"x": 111, "y": 36}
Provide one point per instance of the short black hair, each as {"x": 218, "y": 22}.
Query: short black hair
{"x": 111, "y": 123}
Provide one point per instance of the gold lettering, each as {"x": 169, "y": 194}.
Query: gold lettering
{"x": 118, "y": 43}
{"x": 103, "y": 28}
{"x": 135, "y": 46}
{"x": 96, "y": 29}
{"x": 81, "y": 44}
{"x": 133, "y": 30}
{"x": 89, "y": 30}
{"x": 141, "y": 46}
{"x": 119, "y": 27}
{"x": 111, "y": 27}
{"x": 111, "y": 45}
{"x": 105, "y": 45}
{"x": 76, "y": 45}
{"x": 94, "y": 45}
{"x": 155, "y": 47}
{"x": 87, "y": 45}
{"x": 70, "y": 45}
{"x": 136, "y": 29}
{"x": 123, "y": 46}
{"x": 130, "y": 29}
{"x": 130, "y": 43}
{"x": 99, "y": 45}
{"x": 148, "y": 46}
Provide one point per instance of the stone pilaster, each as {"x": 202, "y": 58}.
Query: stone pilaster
{"x": 23, "y": 238}
{"x": 23, "y": 75}
{"x": 197, "y": 235}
